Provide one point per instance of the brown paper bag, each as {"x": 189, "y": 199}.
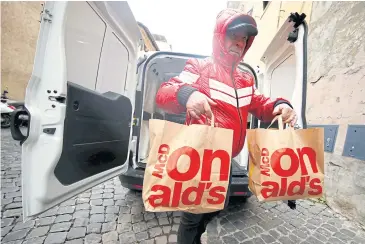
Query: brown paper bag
{"x": 286, "y": 164}
{"x": 188, "y": 167}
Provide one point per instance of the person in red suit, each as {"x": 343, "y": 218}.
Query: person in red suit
{"x": 215, "y": 86}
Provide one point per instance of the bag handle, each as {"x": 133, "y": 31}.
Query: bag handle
{"x": 279, "y": 118}
{"x": 280, "y": 122}
{"x": 212, "y": 120}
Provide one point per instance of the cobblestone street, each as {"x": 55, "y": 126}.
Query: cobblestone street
{"x": 110, "y": 214}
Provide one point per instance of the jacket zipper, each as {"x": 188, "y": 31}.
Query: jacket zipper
{"x": 238, "y": 107}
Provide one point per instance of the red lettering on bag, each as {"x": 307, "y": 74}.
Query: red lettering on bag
{"x": 167, "y": 196}
{"x": 208, "y": 158}
{"x": 317, "y": 189}
{"x": 276, "y": 162}
{"x": 295, "y": 161}
{"x": 199, "y": 191}
{"x": 265, "y": 162}
{"x": 217, "y": 193}
{"x": 194, "y": 165}
{"x": 162, "y": 158}
{"x": 163, "y": 150}
{"x": 164, "y": 197}
{"x": 271, "y": 190}
{"x": 159, "y": 170}
{"x": 190, "y": 196}
{"x": 274, "y": 189}
{"x": 311, "y": 154}
{"x": 176, "y": 194}
{"x": 283, "y": 186}
{"x": 293, "y": 187}
{"x": 300, "y": 184}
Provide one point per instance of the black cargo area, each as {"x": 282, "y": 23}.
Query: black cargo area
{"x": 158, "y": 70}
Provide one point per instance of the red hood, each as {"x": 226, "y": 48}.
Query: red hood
{"x": 224, "y": 18}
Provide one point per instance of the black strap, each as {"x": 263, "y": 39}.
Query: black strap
{"x": 297, "y": 19}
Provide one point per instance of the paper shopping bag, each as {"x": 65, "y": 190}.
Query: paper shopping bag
{"x": 188, "y": 167}
{"x": 286, "y": 164}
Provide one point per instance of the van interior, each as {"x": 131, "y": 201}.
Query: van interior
{"x": 159, "y": 69}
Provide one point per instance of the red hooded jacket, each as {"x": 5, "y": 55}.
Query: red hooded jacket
{"x": 218, "y": 78}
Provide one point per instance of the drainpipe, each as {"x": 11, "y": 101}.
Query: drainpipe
{"x": 277, "y": 25}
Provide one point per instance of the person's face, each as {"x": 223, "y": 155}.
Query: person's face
{"x": 235, "y": 44}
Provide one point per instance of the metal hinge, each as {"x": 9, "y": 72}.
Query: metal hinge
{"x": 41, "y": 14}
{"x": 135, "y": 121}
{"x": 46, "y": 15}
{"x": 296, "y": 127}
{"x": 59, "y": 99}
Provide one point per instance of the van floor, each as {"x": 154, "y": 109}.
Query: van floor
{"x": 238, "y": 170}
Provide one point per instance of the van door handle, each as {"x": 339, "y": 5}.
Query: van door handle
{"x": 16, "y": 122}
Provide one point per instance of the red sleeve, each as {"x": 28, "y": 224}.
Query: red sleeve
{"x": 167, "y": 94}
{"x": 262, "y": 107}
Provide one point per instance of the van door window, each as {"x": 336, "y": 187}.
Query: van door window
{"x": 283, "y": 78}
{"x": 113, "y": 65}
{"x": 83, "y": 43}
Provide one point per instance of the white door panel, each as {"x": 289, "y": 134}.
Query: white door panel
{"x": 283, "y": 78}
{"x": 83, "y": 44}
{"x": 113, "y": 69}
{"x": 78, "y": 136}
{"x": 285, "y": 65}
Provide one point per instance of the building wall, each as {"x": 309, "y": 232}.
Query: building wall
{"x": 336, "y": 84}
{"x": 19, "y": 33}
{"x": 336, "y": 95}
{"x": 269, "y": 21}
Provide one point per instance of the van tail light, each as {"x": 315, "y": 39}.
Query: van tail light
{"x": 138, "y": 186}
{"x": 240, "y": 193}
{"x": 12, "y": 107}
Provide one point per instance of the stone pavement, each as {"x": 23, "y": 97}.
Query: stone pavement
{"x": 110, "y": 214}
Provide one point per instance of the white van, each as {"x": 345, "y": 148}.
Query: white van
{"x": 162, "y": 42}
{"x": 92, "y": 92}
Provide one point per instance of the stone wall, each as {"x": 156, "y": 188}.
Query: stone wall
{"x": 336, "y": 95}
{"x": 19, "y": 34}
